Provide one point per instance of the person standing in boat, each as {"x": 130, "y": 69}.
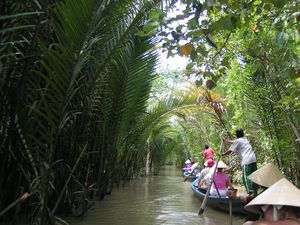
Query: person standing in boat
{"x": 245, "y": 153}
{"x": 208, "y": 153}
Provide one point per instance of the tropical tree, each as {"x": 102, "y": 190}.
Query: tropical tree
{"x": 255, "y": 44}
{"x": 267, "y": 88}
{"x": 70, "y": 100}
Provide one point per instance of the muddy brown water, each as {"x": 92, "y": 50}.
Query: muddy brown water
{"x": 155, "y": 200}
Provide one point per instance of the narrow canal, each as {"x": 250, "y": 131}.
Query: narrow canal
{"x": 156, "y": 200}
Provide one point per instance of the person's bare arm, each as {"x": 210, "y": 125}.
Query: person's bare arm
{"x": 228, "y": 141}
{"x": 229, "y": 169}
{"x": 202, "y": 182}
{"x": 228, "y": 152}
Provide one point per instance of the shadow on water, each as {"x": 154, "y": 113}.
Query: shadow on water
{"x": 163, "y": 199}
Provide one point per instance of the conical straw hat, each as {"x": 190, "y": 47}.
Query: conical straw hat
{"x": 221, "y": 164}
{"x": 187, "y": 161}
{"x": 281, "y": 193}
{"x": 266, "y": 175}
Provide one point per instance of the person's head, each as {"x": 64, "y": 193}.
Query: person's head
{"x": 187, "y": 161}
{"x": 268, "y": 213}
{"x": 284, "y": 212}
{"x": 239, "y": 133}
{"x": 206, "y": 146}
{"x": 209, "y": 163}
{"x": 221, "y": 165}
{"x": 280, "y": 194}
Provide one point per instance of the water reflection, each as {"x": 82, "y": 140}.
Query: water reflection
{"x": 155, "y": 200}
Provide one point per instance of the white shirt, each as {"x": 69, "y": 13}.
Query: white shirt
{"x": 243, "y": 149}
{"x": 203, "y": 173}
{"x": 194, "y": 166}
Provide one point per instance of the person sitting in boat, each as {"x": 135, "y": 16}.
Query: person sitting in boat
{"x": 207, "y": 168}
{"x": 279, "y": 205}
{"x": 194, "y": 169}
{"x": 187, "y": 165}
{"x": 220, "y": 181}
{"x": 208, "y": 153}
{"x": 264, "y": 177}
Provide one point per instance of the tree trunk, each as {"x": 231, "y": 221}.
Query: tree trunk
{"x": 148, "y": 161}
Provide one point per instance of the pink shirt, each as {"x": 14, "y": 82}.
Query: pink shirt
{"x": 208, "y": 154}
{"x": 221, "y": 180}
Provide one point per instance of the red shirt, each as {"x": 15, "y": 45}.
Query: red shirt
{"x": 208, "y": 154}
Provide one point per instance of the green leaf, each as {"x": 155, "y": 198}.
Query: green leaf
{"x": 210, "y": 41}
{"x": 202, "y": 50}
{"x": 199, "y": 82}
{"x": 192, "y": 24}
{"x": 279, "y": 3}
{"x": 20, "y": 15}
{"x": 10, "y": 29}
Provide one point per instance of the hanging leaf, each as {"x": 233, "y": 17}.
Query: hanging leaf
{"x": 253, "y": 27}
{"x": 202, "y": 50}
{"x": 186, "y": 49}
{"x": 210, "y": 41}
{"x": 199, "y": 82}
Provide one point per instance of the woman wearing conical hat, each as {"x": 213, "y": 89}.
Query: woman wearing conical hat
{"x": 264, "y": 177}
{"x": 279, "y": 204}
{"x": 220, "y": 180}
{"x": 187, "y": 165}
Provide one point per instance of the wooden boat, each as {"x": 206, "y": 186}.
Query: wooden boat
{"x": 219, "y": 203}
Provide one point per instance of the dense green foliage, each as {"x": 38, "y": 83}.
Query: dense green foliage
{"x": 83, "y": 108}
{"x": 75, "y": 79}
{"x": 249, "y": 52}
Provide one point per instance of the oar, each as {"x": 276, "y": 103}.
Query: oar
{"x": 210, "y": 184}
{"x": 230, "y": 211}
{"x": 217, "y": 189}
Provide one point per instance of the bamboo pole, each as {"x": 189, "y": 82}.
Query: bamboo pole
{"x": 21, "y": 199}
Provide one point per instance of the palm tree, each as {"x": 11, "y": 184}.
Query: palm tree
{"x": 81, "y": 94}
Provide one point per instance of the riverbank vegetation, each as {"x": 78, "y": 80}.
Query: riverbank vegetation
{"x": 83, "y": 108}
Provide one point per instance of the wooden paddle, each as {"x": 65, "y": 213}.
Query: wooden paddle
{"x": 210, "y": 184}
{"x": 230, "y": 211}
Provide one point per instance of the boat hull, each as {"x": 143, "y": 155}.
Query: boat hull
{"x": 187, "y": 176}
{"x": 219, "y": 203}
